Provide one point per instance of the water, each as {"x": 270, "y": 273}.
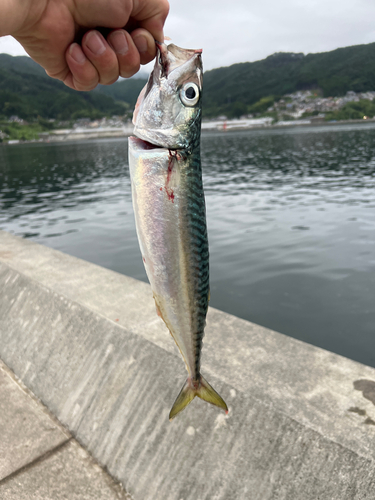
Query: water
{"x": 291, "y": 220}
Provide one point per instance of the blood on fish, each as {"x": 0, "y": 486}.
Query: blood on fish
{"x": 144, "y": 260}
{"x": 170, "y": 194}
{"x": 168, "y": 189}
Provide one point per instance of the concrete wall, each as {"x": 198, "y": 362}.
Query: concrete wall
{"x": 88, "y": 343}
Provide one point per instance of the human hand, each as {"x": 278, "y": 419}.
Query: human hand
{"x": 49, "y": 30}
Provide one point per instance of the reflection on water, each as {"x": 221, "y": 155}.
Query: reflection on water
{"x": 291, "y": 220}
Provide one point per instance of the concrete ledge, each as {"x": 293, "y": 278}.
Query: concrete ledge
{"x": 88, "y": 343}
{"x": 38, "y": 457}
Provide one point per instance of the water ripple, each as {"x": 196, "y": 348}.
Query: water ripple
{"x": 290, "y": 215}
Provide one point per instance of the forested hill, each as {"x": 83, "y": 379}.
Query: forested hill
{"x": 233, "y": 88}
{"x": 26, "y": 91}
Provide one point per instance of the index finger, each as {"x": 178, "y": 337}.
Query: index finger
{"x": 151, "y": 15}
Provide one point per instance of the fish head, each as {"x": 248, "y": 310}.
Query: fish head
{"x": 169, "y": 108}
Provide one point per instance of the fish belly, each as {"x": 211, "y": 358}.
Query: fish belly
{"x": 171, "y": 227}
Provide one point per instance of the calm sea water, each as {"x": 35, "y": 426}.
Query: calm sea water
{"x": 291, "y": 220}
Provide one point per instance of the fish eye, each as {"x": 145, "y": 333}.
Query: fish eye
{"x": 189, "y": 94}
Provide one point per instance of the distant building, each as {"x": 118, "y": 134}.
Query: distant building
{"x": 16, "y": 119}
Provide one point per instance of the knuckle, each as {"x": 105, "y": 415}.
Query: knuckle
{"x": 107, "y": 79}
{"x": 68, "y": 84}
{"x": 108, "y": 75}
{"x": 107, "y": 65}
{"x": 124, "y": 12}
{"x": 82, "y": 86}
{"x": 127, "y": 73}
{"x": 130, "y": 66}
{"x": 59, "y": 75}
{"x": 110, "y": 82}
{"x": 85, "y": 80}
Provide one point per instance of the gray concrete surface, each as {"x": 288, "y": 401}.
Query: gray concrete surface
{"x": 26, "y": 432}
{"x": 68, "y": 474}
{"x": 38, "y": 457}
{"x": 87, "y": 342}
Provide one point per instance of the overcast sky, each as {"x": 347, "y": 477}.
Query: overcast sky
{"x": 245, "y": 30}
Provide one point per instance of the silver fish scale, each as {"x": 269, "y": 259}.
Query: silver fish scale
{"x": 171, "y": 226}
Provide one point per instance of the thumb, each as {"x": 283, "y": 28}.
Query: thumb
{"x": 151, "y": 15}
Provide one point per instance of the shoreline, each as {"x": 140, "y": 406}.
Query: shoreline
{"x": 66, "y": 135}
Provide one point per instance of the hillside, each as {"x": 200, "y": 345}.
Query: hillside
{"x": 232, "y": 89}
{"x": 124, "y": 90}
{"x": 26, "y": 91}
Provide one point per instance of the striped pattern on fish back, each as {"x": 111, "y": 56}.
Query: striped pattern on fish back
{"x": 196, "y": 251}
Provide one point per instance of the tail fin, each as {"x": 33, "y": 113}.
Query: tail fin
{"x": 203, "y": 390}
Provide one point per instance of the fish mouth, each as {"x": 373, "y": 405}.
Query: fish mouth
{"x": 170, "y": 57}
{"x": 143, "y": 145}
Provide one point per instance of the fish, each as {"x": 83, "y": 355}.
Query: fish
{"x": 169, "y": 207}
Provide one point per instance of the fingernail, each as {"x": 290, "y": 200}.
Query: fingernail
{"x": 141, "y": 44}
{"x": 119, "y": 42}
{"x": 76, "y": 53}
{"x": 95, "y": 43}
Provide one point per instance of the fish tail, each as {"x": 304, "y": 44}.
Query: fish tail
{"x": 200, "y": 388}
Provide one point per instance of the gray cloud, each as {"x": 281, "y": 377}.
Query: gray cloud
{"x": 243, "y": 30}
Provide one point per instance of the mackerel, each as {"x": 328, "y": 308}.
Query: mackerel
{"x": 169, "y": 207}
